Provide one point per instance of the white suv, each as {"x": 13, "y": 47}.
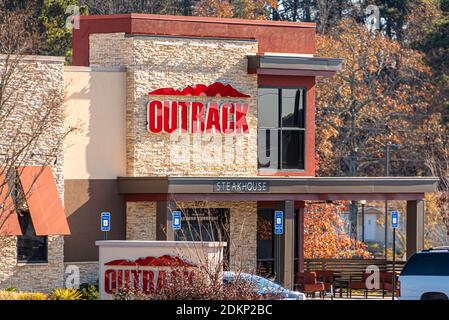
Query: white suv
{"x": 425, "y": 276}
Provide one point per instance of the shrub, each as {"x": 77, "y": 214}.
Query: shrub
{"x": 204, "y": 286}
{"x": 89, "y": 292}
{"x": 14, "y": 295}
{"x": 65, "y": 294}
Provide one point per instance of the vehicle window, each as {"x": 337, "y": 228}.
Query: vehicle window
{"x": 427, "y": 264}
{"x": 265, "y": 285}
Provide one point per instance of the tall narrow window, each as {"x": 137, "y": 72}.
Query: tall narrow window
{"x": 281, "y": 118}
{"x": 30, "y": 247}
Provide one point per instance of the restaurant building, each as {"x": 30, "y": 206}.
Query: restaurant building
{"x": 211, "y": 117}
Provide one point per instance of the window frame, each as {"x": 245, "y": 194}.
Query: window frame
{"x": 279, "y": 128}
{"x": 23, "y": 261}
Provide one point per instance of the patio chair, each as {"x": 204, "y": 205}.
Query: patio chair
{"x": 386, "y": 279}
{"x": 307, "y": 283}
{"x": 358, "y": 283}
{"x": 328, "y": 279}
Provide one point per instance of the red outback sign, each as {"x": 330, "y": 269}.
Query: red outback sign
{"x": 146, "y": 274}
{"x": 194, "y": 117}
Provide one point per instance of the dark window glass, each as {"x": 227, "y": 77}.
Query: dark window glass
{"x": 268, "y": 144}
{"x": 427, "y": 264}
{"x": 268, "y": 107}
{"x": 30, "y": 247}
{"x": 292, "y": 108}
{"x": 205, "y": 224}
{"x": 292, "y": 149}
{"x": 265, "y": 243}
{"x": 281, "y": 118}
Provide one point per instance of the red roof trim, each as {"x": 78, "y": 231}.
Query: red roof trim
{"x": 201, "y": 19}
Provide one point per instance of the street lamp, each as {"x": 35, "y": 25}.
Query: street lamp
{"x": 388, "y": 146}
{"x": 363, "y": 202}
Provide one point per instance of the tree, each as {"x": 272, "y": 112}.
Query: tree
{"x": 56, "y": 37}
{"x": 173, "y": 7}
{"x": 325, "y": 234}
{"x": 383, "y": 94}
{"x": 27, "y": 113}
{"x": 244, "y": 9}
{"x": 432, "y": 38}
{"x": 393, "y": 14}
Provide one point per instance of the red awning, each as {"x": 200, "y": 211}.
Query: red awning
{"x": 9, "y": 221}
{"x": 44, "y": 202}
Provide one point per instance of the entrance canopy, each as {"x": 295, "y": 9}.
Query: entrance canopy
{"x": 276, "y": 188}
{"x": 288, "y": 194}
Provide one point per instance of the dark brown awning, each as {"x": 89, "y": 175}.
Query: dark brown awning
{"x": 9, "y": 221}
{"x": 44, "y": 202}
{"x": 293, "y": 65}
{"x": 281, "y": 188}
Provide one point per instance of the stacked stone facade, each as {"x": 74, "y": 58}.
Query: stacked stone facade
{"x": 141, "y": 220}
{"x": 36, "y": 83}
{"x": 158, "y": 62}
{"x": 171, "y": 62}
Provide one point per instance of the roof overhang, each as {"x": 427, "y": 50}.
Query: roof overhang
{"x": 313, "y": 188}
{"x": 293, "y": 65}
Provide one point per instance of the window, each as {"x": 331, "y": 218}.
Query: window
{"x": 30, "y": 247}
{"x": 281, "y": 118}
{"x": 427, "y": 264}
{"x": 205, "y": 224}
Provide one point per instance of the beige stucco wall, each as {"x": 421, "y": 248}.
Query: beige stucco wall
{"x": 96, "y": 101}
{"x": 36, "y": 82}
{"x": 159, "y": 62}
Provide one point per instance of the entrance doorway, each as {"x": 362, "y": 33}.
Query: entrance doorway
{"x": 205, "y": 224}
{"x": 269, "y": 246}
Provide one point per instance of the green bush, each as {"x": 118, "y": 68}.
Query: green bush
{"x": 89, "y": 292}
{"x": 65, "y": 294}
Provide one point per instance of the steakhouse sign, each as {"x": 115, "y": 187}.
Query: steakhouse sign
{"x": 194, "y": 116}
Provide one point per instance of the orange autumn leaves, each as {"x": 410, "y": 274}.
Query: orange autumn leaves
{"x": 382, "y": 95}
{"x": 325, "y": 236}
{"x": 244, "y": 9}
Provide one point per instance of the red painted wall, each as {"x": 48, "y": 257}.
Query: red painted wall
{"x": 309, "y": 84}
{"x": 272, "y": 36}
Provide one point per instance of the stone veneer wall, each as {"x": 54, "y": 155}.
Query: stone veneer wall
{"x": 35, "y": 81}
{"x": 141, "y": 220}
{"x": 88, "y": 271}
{"x": 160, "y": 62}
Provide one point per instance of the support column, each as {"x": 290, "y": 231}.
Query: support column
{"x": 279, "y": 249}
{"x": 164, "y": 229}
{"x": 300, "y": 227}
{"x": 415, "y": 226}
{"x": 289, "y": 244}
{"x": 171, "y": 206}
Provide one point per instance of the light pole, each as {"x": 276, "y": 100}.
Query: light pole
{"x": 387, "y": 173}
{"x": 363, "y": 202}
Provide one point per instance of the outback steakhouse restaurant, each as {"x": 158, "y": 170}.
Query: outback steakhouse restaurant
{"x": 214, "y": 118}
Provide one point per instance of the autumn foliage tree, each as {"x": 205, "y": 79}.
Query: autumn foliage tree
{"x": 244, "y": 9}
{"x": 325, "y": 234}
{"x": 383, "y": 95}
